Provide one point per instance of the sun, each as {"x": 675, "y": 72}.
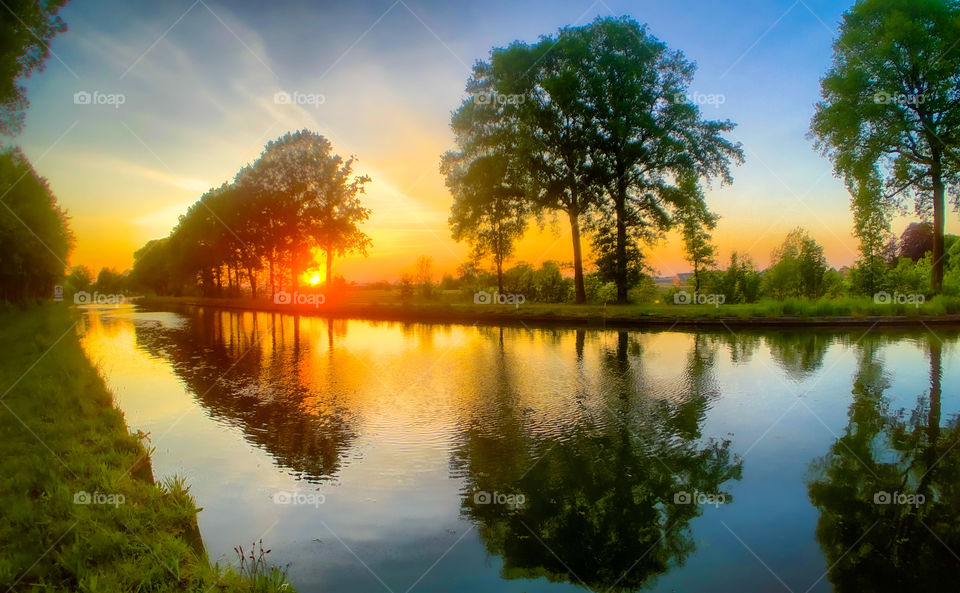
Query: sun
{"x": 315, "y": 279}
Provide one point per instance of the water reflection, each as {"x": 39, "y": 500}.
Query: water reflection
{"x": 606, "y": 506}
{"x": 889, "y": 489}
{"x": 259, "y": 376}
{"x": 418, "y": 434}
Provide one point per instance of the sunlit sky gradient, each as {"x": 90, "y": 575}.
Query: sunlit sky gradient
{"x": 199, "y": 78}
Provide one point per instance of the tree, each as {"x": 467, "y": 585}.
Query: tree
{"x": 797, "y": 267}
{"x": 110, "y": 281}
{"x": 740, "y": 283}
{"x": 916, "y": 240}
{"x": 152, "y": 268}
{"x": 35, "y": 238}
{"x": 541, "y": 88}
{"x": 650, "y": 148}
{"x": 488, "y": 209}
{"x": 26, "y": 28}
{"x": 700, "y": 252}
{"x": 890, "y": 111}
{"x": 80, "y": 278}
{"x": 424, "y": 275}
{"x": 310, "y": 198}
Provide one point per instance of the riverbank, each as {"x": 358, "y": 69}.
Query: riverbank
{"x": 81, "y": 510}
{"x": 382, "y": 305}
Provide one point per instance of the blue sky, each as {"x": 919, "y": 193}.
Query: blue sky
{"x": 198, "y": 80}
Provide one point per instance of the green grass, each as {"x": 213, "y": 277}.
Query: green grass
{"x": 453, "y": 306}
{"x": 61, "y": 436}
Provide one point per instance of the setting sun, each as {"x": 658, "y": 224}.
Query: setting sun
{"x": 314, "y": 279}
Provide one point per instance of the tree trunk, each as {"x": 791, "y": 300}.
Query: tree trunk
{"x": 253, "y": 281}
{"x": 272, "y": 286}
{"x": 499, "y": 276}
{"x": 329, "y": 266}
{"x": 579, "y": 289}
{"x": 936, "y": 272}
{"x": 621, "y": 255}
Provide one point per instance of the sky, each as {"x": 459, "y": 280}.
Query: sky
{"x": 182, "y": 95}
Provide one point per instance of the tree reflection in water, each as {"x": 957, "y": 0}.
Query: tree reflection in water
{"x": 889, "y": 488}
{"x": 604, "y": 504}
{"x": 248, "y": 369}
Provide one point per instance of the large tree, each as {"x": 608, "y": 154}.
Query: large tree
{"x": 890, "y": 111}
{"x": 542, "y": 88}
{"x": 309, "y": 198}
{"x": 651, "y": 148}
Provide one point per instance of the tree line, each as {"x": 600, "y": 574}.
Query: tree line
{"x": 596, "y": 124}
{"x": 296, "y": 202}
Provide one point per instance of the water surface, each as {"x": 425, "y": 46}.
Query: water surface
{"x": 375, "y": 456}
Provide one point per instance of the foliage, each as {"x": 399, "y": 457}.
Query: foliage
{"x": 891, "y": 108}
{"x": 916, "y": 240}
{"x": 740, "y": 283}
{"x": 35, "y": 238}
{"x": 298, "y": 198}
{"x": 26, "y": 29}
{"x": 798, "y": 267}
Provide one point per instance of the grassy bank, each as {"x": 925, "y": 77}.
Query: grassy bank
{"x": 450, "y": 307}
{"x": 80, "y": 510}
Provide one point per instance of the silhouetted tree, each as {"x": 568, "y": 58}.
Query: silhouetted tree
{"x": 35, "y": 238}
{"x": 26, "y": 29}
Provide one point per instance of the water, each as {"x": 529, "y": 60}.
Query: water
{"x": 374, "y": 456}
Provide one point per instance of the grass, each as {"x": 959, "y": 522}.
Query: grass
{"x": 80, "y": 509}
{"x": 453, "y": 306}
